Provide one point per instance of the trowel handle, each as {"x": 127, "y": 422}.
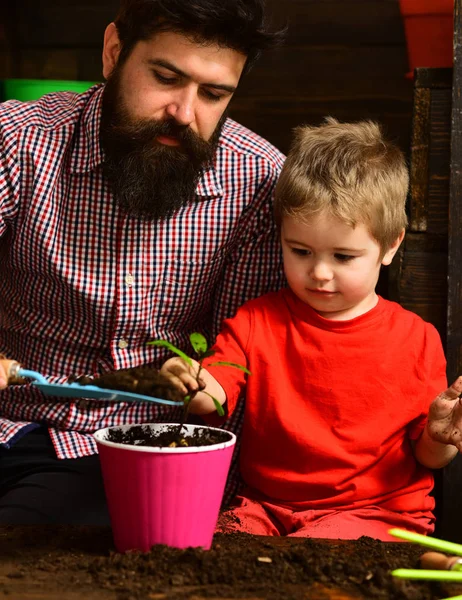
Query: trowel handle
{"x": 13, "y": 372}
{"x": 17, "y": 371}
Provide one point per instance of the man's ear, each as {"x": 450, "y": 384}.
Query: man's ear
{"x": 111, "y": 49}
{"x": 390, "y": 253}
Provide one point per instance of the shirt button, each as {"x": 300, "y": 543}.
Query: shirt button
{"x": 123, "y": 344}
{"x": 129, "y": 280}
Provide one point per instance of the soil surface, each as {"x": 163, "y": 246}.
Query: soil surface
{"x": 172, "y": 436}
{"x": 139, "y": 380}
{"x": 79, "y": 563}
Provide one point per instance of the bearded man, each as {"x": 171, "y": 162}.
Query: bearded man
{"x": 131, "y": 212}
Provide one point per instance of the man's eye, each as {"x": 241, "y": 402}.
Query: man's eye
{"x": 165, "y": 80}
{"x": 211, "y": 95}
{"x": 344, "y": 257}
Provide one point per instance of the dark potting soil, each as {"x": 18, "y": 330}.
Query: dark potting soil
{"x": 174, "y": 435}
{"x": 139, "y": 380}
{"x": 80, "y": 563}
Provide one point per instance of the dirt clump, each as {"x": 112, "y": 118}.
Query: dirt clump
{"x": 146, "y": 381}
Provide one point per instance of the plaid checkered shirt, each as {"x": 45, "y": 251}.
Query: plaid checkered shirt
{"x": 84, "y": 285}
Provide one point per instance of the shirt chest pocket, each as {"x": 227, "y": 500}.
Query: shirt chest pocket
{"x": 185, "y": 290}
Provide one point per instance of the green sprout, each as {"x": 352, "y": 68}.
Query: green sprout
{"x": 200, "y": 347}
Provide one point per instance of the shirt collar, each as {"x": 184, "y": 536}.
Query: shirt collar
{"x": 88, "y": 154}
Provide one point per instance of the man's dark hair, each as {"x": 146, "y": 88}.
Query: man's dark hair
{"x": 237, "y": 24}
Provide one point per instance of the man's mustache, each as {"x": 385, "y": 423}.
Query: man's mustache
{"x": 146, "y": 130}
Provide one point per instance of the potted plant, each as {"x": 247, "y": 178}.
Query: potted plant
{"x": 428, "y": 25}
{"x": 164, "y": 482}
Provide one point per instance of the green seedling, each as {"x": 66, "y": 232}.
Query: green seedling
{"x": 200, "y": 347}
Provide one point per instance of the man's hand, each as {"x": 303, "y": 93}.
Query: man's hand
{"x": 5, "y": 369}
{"x": 445, "y": 416}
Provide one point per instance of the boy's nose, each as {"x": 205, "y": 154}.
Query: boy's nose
{"x": 321, "y": 272}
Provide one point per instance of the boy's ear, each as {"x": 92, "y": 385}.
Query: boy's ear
{"x": 390, "y": 253}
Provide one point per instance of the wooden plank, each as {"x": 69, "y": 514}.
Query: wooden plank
{"x": 454, "y": 323}
{"x": 330, "y": 22}
{"x": 420, "y": 150}
{"x": 74, "y": 23}
{"x": 275, "y": 120}
{"x": 439, "y": 161}
{"x": 433, "y": 78}
{"x": 60, "y": 63}
{"x": 451, "y": 520}
{"x": 331, "y": 71}
{"x": 419, "y": 278}
{"x": 430, "y": 154}
{"x": 9, "y": 54}
{"x": 352, "y": 22}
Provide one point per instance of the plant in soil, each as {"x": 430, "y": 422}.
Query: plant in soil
{"x": 199, "y": 344}
{"x": 202, "y": 351}
{"x": 148, "y": 381}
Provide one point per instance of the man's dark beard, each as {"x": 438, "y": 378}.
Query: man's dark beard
{"x": 149, "y": 179}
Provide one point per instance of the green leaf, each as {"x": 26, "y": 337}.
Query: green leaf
{"x": 173, "y": 348}
{"x": 218, "y": 406}
{"x": 198, "y": 342}
{"x": 187, "y": 400}
{"x": 223, "y": 363}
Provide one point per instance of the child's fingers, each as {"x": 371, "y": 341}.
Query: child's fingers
{"x": 453, "y": 391}
{"x": 446, "y": 401}
{"x": 175, "y": 382}
{"x": 177, "y": 366}
{"x": 189, "y": 381}
{"x": 437, "y": 560}
{"x": 182, "y": 375}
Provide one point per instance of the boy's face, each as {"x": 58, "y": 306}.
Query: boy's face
{"x": 331, "y": 266}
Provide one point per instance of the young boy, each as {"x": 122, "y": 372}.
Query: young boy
{"x": 340, "y": 430}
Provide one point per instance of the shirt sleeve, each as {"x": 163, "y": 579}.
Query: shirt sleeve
{"x": 232, "y": 346}
{"x": 254, "y": 266}
{"x": 9, "y": 177}
{"x": 436, "y": 380}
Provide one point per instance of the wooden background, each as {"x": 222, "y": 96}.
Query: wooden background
{"x": 345, "y": 58}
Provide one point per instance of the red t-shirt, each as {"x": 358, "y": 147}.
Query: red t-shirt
{"x": 332, "y": 406}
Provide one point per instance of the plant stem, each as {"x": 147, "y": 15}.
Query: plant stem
{"x": 186, "y": 406}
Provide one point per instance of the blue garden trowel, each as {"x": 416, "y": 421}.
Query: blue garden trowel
{"x": 75, "y": 390}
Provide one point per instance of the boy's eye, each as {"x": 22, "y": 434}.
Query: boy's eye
{"x": 344, "y": 257}
{"x": 300, "y": 251}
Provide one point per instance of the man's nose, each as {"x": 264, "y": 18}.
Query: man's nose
{"x": 181, "y": 108}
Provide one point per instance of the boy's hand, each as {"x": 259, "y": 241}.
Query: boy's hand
{"x": 445, "y": 416}
{"x": 181, "y": 375}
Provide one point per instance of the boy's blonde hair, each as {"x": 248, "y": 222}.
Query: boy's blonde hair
{"x": 348, "y": 171}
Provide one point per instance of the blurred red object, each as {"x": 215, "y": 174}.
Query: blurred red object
{"x": 428, "y": 25}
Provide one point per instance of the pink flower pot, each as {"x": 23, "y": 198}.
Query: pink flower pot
{"x": 428, "y": 25}
{"x": 163, "y": 495}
